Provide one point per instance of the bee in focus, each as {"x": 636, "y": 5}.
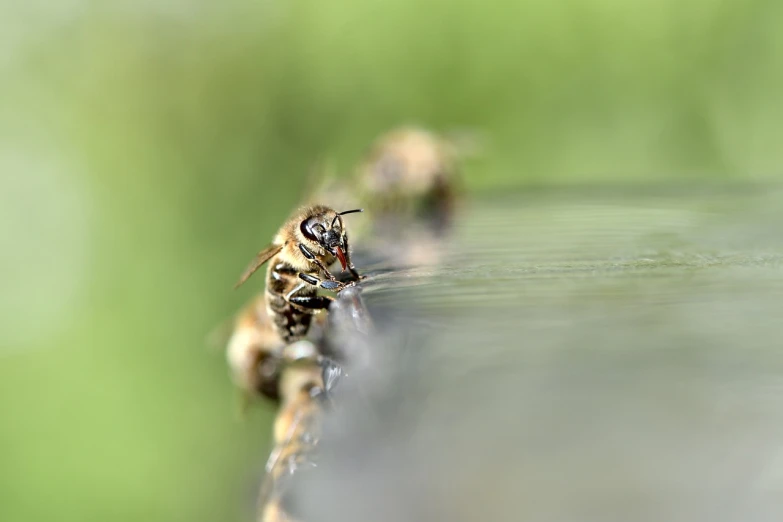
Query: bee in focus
{"x": 308, "y": 243}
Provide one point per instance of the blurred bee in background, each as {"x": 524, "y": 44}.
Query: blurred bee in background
{"x": 299, "y": 258}
{"x": 409, "y": 181}
{"x": 254, "y": 351}
{"x": 304, "y": 388}
{"x": 307, "y": 386}
{"x": 410, "y": 172}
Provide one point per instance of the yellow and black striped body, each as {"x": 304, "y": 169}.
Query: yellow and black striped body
{"x": 291, "y": 321}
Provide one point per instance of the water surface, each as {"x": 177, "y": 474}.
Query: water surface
{"x": 582, "y": 356}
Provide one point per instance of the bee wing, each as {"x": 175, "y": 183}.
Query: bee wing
{"x": 261, "y": 258}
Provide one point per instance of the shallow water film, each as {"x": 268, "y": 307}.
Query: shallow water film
{"x": 606, "y": 356}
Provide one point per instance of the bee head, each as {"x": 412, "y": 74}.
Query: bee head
{"x": 327, "y": 231}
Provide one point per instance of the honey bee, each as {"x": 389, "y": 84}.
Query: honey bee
{"x": 305, "y": 246}
{"x": 305, "y": 383}
{"x": 253, "y": 351}
{"x": 409, "y": 181}
{"x": 410, "y": 171}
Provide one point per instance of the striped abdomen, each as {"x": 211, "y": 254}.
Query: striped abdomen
{"x": 291, "y": 321}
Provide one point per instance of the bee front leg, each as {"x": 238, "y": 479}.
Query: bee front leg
{"x": 351, "y": 268}
{"x": 330, "y": 284}
{"x": 310, "y": 256}
{"x": 307, "y": 301}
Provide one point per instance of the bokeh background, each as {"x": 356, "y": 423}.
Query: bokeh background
{"x": 148, "y": 149}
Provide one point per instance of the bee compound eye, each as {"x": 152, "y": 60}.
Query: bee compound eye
{"x": 311, "y": 229}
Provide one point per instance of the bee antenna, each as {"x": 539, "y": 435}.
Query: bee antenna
{"x": 351, "y": 211}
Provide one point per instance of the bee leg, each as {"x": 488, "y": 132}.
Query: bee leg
{"x": 307, "y": 302}
{"x": 313, "y": 302}
{"x": 306, "y": 251}
{"x": 328, "y": 285}
{"x": 331, "y": 372}
{"x": 351, "y": 268}
{"x": 309, "y": 255}
{"x": 307, "y": 278}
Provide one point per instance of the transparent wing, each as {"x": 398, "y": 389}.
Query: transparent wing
{"x": 261, "y": 258}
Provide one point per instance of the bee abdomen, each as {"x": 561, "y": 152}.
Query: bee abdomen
{"x": 291, "y": 324}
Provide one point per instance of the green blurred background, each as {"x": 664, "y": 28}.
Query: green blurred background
{"x": 148, "y": 149}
